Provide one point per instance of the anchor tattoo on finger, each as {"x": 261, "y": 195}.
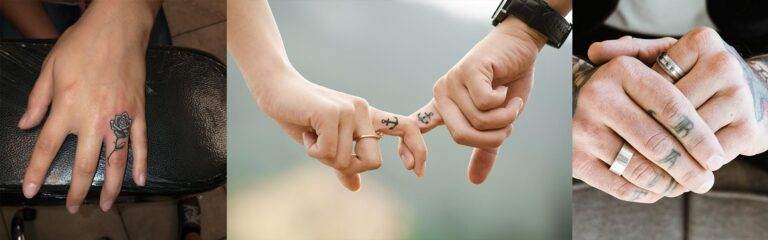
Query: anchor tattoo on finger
{"x": 390, "y": 123}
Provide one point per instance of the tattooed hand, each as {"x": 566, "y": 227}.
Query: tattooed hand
{"x": 328, "y": 123}
{"x": 728, "y": 93}
{"x": 93, "y": 82}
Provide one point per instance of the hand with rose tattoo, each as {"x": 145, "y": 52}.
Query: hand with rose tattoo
{"x": 93, "y": 83}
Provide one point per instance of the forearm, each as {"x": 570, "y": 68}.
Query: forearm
{"x": 29, "y": 18}
{"x": 254, "y": 40}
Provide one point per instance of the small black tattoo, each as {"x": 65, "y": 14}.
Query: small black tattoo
{"x": 671, "y": 186}
{"x": 671, "y": 158}
{"x": 655, "y": 179}
{"x": 582, "y": 71}
{"x": 637, "y": 194}
{"x": 390, "y": 123}
{"x": 425, "y": 118}
{"x": 121, "y": 127}
{"x": 683, "y": 127}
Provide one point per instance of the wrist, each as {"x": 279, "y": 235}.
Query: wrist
{"x": 131, "y": 21}
{"x": 264, "y": 78}
{"x": 514, "y": 27}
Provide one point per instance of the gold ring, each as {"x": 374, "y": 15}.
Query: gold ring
{"x": 377, "y": 136}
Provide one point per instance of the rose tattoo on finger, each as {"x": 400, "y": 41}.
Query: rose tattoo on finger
{"x": 121, "y": 127}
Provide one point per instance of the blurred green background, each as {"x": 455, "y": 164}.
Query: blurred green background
{"x": 391, "y": 53}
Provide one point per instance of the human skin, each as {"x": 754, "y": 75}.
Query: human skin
{"x": 480, "y": 97}
{"x": 29, "y": 17}
{"x": 325, "y": 121}
{"x": 93, "y": 83}
{"x": 728, "y": 94}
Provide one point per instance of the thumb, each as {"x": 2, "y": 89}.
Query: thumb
{"x": 39, "y": 99}
{"x": 481, "y": 163}
{"x": 646, "y": 50}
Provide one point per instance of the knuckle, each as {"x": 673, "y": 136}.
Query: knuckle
{"x": 642, "y": 171}
{"x": 360, "y": 103}
{"x": 45, "y": 146}
{"x": 83, "y": 168}
{"x": 376, "y": 164}
{"x": 672, "y": 110}
{"x": 622, "y": 64}
{"x": 621, "y": 189}
{"x": 461, "y": 136}
{"x": 703, "y": 35}
{"x": 596, "y": 94}
{"x": 479, "y": 121}
{"x": 658, "y": 144}
{"x": 581, "y": 167}
{"x": 324, "y": 154}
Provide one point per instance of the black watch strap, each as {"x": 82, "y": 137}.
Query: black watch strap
{"x": 538, "y": 15}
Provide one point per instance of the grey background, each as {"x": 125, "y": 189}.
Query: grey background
{"x": 391, "y": 53}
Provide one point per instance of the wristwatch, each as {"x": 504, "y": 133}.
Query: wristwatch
{"x": 538, "y": 15}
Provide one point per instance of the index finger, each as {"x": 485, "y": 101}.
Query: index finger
{"x": 408, "y": 130}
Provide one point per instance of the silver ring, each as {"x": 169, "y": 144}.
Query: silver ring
{"x": 622, "y": 160}
{"x": 669, "y": 66}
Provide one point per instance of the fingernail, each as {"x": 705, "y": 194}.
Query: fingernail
{"x": 30, "y": 190}
{"x": 715, "y": 162}
{"x": 142, "y": 179}
{"x": 519, "y": 105}
{"x": 23, "y": 121}
{"x": 706, "y": 186}
{"x": 105, "y": 206}
{"x": 73, "y": 209}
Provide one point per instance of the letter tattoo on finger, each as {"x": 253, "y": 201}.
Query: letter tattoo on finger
{"x": 655, "y": 179}
{"x": 637, "y": 194}
{"x": 121, "y": 127}
{"x": 391, "y": 123}
{"x": 671, "y": 186}
{"x": 670, "y": 159}
{"x": 683, "y": 127}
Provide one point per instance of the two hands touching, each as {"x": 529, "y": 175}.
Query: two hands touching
{"x": 680, "y": 130}
{"x": 478, "y": 100}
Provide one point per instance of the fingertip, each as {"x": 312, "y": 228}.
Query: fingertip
{"x": 72, "y": 209}
{"x": 106, "y": 205}
{"x": 706, "y": 185}
{"x": 715, "y": 162}
{"x": 30, "y": 190}
{"x": 141, "y": 179}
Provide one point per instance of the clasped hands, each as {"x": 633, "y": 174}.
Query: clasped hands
{"x": 478, "y": 100}
{"x": 680, "y": 130}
